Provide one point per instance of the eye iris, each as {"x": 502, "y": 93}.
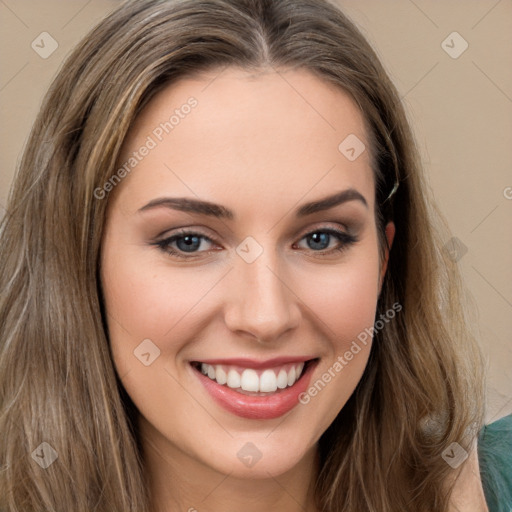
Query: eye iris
{"x": 190, "y": 243}
{"x": 321, "y": 239}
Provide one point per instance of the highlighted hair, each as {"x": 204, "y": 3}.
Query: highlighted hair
{"x": 422, "y": 388}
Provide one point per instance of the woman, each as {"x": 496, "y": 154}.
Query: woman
{"x": 222, "y": 279}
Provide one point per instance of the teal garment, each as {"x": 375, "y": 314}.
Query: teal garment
{"x": 495, "y": 459}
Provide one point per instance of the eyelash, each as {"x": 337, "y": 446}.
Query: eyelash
{"x": 345, "y": 239}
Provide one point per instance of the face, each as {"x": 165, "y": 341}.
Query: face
{"x": 234, "y": 291}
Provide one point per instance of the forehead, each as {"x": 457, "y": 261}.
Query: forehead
{"x": 259, "y": 134}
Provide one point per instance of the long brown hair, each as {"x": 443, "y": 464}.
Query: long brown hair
{"x": 422, "y": 388}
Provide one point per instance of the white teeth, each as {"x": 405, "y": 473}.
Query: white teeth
{"x": 220, "y": 375}
{"x": 250, "y": 381}
{"x": 291, "y": 376}
{"x": 282, "y": 379}
{"x": 266, "y": 381}
{"x": 233, "y": 379}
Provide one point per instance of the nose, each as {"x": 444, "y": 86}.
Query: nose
{"x": 262, "y": 304}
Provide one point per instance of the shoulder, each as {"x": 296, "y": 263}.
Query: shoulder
{"x": 495, "y": 461}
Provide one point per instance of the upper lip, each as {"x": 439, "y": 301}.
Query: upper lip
{"x": 256, "y": 364}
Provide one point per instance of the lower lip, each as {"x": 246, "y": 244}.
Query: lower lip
{"x": 257, "y": 407}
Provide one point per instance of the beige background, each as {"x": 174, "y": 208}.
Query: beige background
{"x": 461, "y": 110}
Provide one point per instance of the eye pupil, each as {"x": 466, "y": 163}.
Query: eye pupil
{"x": 321, "y": 239}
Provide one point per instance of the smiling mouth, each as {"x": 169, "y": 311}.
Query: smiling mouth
{"x": 255, "y": 382}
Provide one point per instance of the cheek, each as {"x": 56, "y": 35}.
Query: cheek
{"x": 145, "y": 299}
{"x": 152, "y": 312}
{"x": 150, "y": 301}
{"x": 349, "y": 301}
{"x": 343, "y": 297}
{"x": 343, "y": 301}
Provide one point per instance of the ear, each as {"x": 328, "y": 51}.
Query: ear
{"x": 390, "y": 235}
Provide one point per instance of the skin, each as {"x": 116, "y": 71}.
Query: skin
{"x": 468, "y": 494}
{"x": 261, "y": 145}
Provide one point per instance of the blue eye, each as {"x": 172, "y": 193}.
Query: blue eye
{"x": 190, "y": 243}
{"x": 186, "y": 242}
{"x": 319, "y": 241}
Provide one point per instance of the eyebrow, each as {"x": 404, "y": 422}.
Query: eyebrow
{"x": 186, "y": 204}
